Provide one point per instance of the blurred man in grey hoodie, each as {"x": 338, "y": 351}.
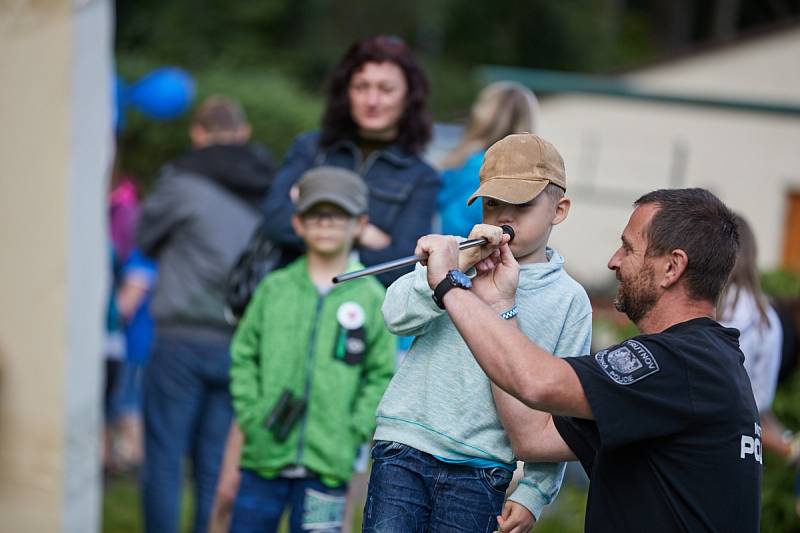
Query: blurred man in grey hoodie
{"x": 195, "y": 223}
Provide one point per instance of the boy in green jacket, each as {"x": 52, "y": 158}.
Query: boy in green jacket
{"x": 310, "y": 361}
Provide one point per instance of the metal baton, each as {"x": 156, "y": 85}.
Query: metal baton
{"x": 410, "y": 260}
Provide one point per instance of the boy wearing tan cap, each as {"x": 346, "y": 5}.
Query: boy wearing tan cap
{"x": 310, "y": 362}
{"x": 442, "y": 459}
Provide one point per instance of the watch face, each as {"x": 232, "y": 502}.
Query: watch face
{"x": 460, "y": 279}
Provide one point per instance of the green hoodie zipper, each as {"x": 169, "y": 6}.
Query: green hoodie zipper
{"x": 309, "y": 371}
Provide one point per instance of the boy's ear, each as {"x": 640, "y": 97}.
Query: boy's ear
{"x": 297, "y": 225}
{"x": 561, "y": 210}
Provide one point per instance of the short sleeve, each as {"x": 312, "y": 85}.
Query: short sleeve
{"x": 582, "y": 438}
{"x": 141, "y": 268}
{"x": 637, "y": 391}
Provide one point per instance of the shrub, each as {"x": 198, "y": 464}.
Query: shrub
{"x": 277, "y": 108}
{"x": 781, "y": 284}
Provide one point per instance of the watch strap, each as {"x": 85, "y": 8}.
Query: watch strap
{"x": 441, "y": 289}
{"x": 449, "y": 282}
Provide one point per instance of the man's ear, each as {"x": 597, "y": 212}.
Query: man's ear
{"x": 243, "y": 133}
{"x": 200, "y": 137}
{"x": 297, "y": 225}
{"x": 677, "y": 262}
{"x": 562, "y": 210}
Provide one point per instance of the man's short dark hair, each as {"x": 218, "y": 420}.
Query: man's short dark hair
{"x": 220, "y": 114}
{"x": 697, "y": 222}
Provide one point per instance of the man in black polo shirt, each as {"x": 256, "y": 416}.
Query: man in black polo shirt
{"x": 665, "y": 423}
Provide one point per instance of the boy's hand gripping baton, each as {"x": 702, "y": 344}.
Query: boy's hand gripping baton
{"x": 411, "y": 259}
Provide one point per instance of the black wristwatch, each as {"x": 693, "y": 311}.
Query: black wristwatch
{"x": 453, "y": 279}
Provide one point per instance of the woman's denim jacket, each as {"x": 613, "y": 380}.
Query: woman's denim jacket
{"x": 402, "y": 195}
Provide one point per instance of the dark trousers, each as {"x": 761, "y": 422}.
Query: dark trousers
{"x": 260, "y": 503}
{"x": 187, "y": 413}
{"x": 412, "y": 491}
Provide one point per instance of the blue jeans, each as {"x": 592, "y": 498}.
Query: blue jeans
{"x": 260, "y": 503}
{"x": 412, "y": 491}
{"x": 187, "y": 412}
{"x": 126, "y": 396}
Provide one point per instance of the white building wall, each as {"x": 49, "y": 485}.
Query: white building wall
{"x": 765, "y": 68}
{"x": 618, "y": 149}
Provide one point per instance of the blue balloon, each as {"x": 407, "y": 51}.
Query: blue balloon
{"x": 120, "y": 102}
{"x": 162, "y": 94}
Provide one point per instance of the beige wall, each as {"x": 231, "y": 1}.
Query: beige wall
{"x": 617, "y": 149}
{"x": 50, "y": 326}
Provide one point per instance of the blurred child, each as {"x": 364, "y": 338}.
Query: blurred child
{"x": 132, "y": 302}
{"x": 310, "y": 362}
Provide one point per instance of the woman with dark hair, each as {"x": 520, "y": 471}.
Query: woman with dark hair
{"x": 376, "y": 123}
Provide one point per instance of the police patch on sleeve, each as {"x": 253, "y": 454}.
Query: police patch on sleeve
{"x": 627, "y": 363}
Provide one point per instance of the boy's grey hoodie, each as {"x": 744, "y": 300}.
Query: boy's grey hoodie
{"x": 440, "y": 401}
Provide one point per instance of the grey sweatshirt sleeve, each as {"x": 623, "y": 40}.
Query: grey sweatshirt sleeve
{"x": 161, "y": 212}
{"x": 408, "y": 308}
{"x": 539, "y": 486}
{"x": 541, "y": 481}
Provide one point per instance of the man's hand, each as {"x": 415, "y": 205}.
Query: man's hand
{"x": 442, "y": 256}
{"x": 494, "y": 238}
{"x": 497, "y": 279}
{"x": 515, "y": 519}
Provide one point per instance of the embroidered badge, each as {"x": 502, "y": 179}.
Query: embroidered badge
{"x": 350, "y": 315}
{"x": 628, "y": 363}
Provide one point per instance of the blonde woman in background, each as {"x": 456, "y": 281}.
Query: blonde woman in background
{"x": 745, "y": 307}
{"x": 501, "y": 108}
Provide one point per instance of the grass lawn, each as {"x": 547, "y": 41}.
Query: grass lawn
{"x": 122, "y": 507}
{"x": 122, "y": 511}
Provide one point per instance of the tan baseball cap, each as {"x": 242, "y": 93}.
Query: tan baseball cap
{"x": 517, "y": 168}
